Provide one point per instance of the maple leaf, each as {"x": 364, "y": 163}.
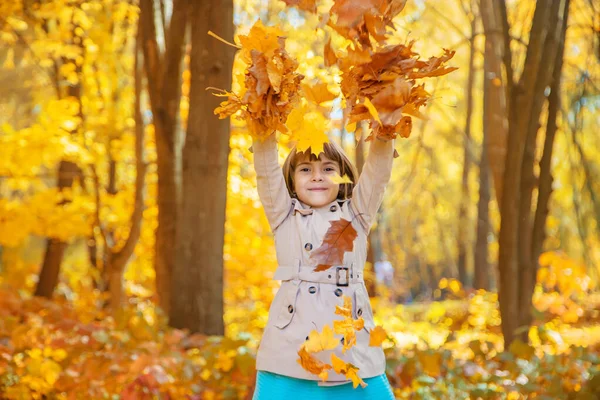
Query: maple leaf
{"x": 313, "y": 365}
{"x": 338, "y": 239}
{"x": 377, "y": 336}
{"x": 308, "y": 129}
{"x": 318, "y": 93}
{"x": 321, "y": 341}
{"x": 347, "y": 369}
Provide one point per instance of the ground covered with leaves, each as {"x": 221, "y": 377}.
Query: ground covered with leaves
{"x": 450, "y": 349}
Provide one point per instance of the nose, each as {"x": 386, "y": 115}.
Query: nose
{"x": 316, "y": 175}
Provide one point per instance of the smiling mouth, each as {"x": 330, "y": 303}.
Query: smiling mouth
{"x": 318, "y": 190}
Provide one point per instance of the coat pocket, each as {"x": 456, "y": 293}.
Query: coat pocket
{"x": 287, "y": 310}
{"x": 362, "y": 308}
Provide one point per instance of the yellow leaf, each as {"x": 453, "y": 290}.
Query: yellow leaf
{"x": 347, "y": 369}
{"x": 377, "y": 336}
{"x": 351, "y": 127}
{"x": 372, "y": 110}
{"x": 308, "y": 129}
{"x": 318, "y": 93}
{"x": 341, "y": 179}
{"x": 312, "y": 364}
{"x": 321, "y": 341}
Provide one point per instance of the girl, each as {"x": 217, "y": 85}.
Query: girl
{"x": 299, "y": 203}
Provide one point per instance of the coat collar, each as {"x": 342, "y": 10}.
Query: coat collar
{"x": 303, "y": 209}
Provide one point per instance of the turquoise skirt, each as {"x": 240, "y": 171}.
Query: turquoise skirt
{"x": 270, "y": 386}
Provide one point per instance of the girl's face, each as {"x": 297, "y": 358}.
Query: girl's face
{"x": 312, "y": 181}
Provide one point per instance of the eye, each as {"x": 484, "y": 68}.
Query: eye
{"x": 329, "y": 169}
{"x": 304, "y": 169}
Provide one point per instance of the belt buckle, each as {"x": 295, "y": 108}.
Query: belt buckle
{"x": 337, "y": 276}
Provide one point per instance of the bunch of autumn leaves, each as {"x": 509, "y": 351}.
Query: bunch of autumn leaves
{"x": 378, "y": 80}
{"x": 378, "y": 85}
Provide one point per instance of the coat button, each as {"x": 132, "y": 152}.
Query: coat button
{"x": 291, "y": 308}
{"x": 307, "y": 338}
{"x": 342, "y": 340}
{"x": 312, "y": 290}
{"x": 333, "y": 208}
{"x": 359, "y": 312}
{"x": 338, "y": 292}
{"x": 308, "y": 246}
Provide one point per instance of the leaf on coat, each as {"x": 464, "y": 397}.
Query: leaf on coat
{"x": 313, "y": 365}
{"x": 338, "y": 239}
{"x": 377, "y": 336}
{"x": 347, "y": 369}
{"x": 321, "y": 341}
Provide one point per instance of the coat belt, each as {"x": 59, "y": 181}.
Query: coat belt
{"x": 337, "y": 275}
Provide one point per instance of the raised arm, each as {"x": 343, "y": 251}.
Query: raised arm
{"x": 368, "y": 192}
{"x": 272, "y": 190}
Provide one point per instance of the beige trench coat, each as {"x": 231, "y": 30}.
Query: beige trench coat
{"x": 306, "y": 300}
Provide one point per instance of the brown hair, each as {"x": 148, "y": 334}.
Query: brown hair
{"x": 332, "y": 151}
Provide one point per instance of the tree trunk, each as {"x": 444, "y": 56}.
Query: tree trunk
{"x": 197, "y": 282}
{"x": 482, "y": 266}
{"x": 117, "y": 260}
{"x": 495, "y": 108}
{"x": 67, "y": 172}
{"x": 524, "y": 108}
{"x": 533, "y": 236}
{"x": 463, "y": 217}
{"x": 164, "y": 89}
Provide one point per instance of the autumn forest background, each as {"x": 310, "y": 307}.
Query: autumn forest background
{"x": 136, "y": 261}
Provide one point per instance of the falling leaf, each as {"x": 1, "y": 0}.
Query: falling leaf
{"x": 312, "y": 364}
{"x": 321, "y": 341}
{"x": 338, "y": 239}
{"x": 347, "y": 369}
{"x": 308, "y": 129}
{"x": 377, "y": 336}
{"x": 341, "y": 179}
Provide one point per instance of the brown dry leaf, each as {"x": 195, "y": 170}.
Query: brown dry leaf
{"x": 305, "y": 5}
{"x": 377, "y": 336}
{"x": 347, "y": 369}
{"x": 338, "y": 239}
{"x": 329, "y": 54}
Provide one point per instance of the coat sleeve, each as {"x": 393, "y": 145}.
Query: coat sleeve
{"x": 369, "y": 190}
{"x": 272, "y": 189}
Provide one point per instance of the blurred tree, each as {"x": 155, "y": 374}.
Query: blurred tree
{"x": 163, "y": 71}
{"x": 520, "y": 235}
{"x": 197, "y": 281}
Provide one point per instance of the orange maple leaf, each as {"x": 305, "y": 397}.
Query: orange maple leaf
{"x": 377, "y": 336}
{"x": 338, "y": 239}
{"x": 312, "y": 364}
{"x": 321, "y": 341}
